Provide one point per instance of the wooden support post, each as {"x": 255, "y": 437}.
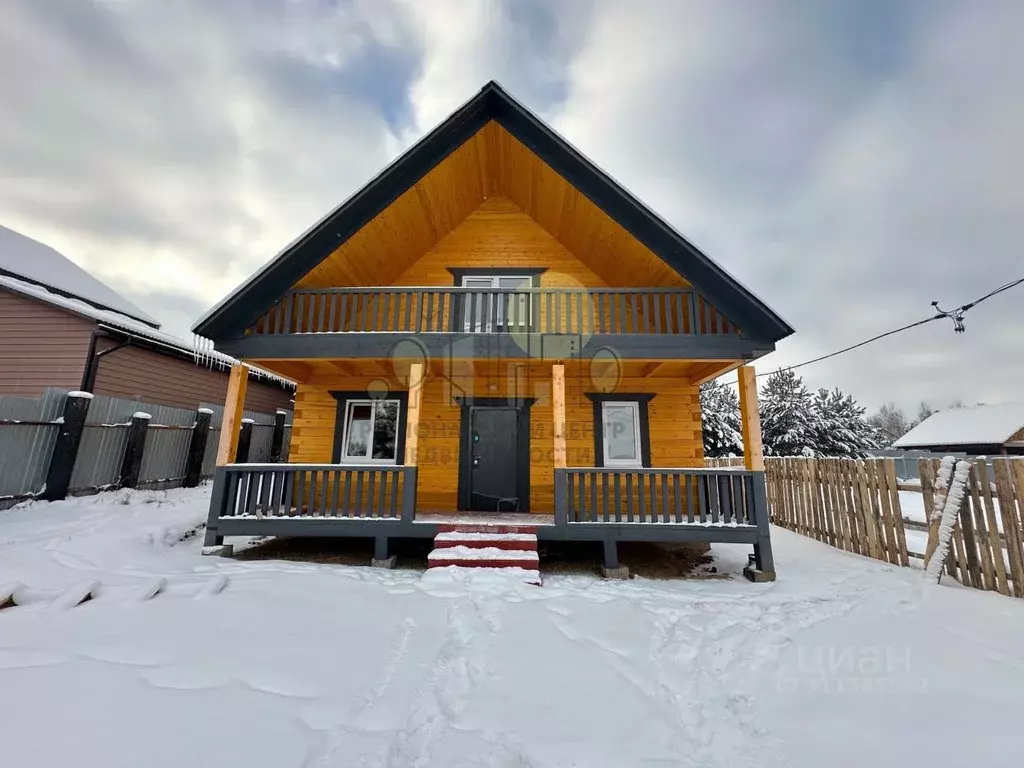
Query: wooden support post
{"x": 131, "y": 462}
{"x": 197, "y": 448}
{"x": 753, "y": 453}
{"x": 412, "y": 421}
{"x": 65, "y": 449}
{"x": 277, "y": 441}
{"x": 558, "y": 406}
{"x": 234, "y": 403}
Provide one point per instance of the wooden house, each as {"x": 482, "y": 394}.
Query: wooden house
{"x": 493, "y": 327}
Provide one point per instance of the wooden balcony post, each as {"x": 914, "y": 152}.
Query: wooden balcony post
{"x": 558, "y": 406}
{"x": 412, "y": 426}
{"x": 234, "y": 404}
{"x": 753, "y": 453}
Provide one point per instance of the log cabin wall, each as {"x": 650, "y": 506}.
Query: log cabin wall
{"x": 674, "y": 413}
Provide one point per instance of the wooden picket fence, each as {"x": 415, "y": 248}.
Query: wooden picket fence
{"x": 854, "y": 504}
{"x": 982, "y": 555}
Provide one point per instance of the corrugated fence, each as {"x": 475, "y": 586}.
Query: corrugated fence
{"x": 29, "y": 427}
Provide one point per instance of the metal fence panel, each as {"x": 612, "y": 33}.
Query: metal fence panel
{"x": 25, "y": 449}
{"x": 167, "y": 439}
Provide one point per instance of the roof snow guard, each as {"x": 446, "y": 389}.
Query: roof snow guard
{"x": 242, "y": 307}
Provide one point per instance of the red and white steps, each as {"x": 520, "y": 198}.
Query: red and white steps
{"x": 486, "y": 546}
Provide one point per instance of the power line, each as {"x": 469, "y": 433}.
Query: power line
{"x": 957, "y": 315}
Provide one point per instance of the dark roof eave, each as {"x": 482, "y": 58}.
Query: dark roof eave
{"x": 246, "y": 303}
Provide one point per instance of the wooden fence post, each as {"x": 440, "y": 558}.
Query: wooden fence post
{"x": 131, "y": 462}
{"x": 277, "y": 441}
{"x": 197, "y": 448}
{"x": 244, "y": 441}
{"x": 65, "y": 449}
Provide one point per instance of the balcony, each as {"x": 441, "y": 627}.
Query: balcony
{"x": 553, "y": 323}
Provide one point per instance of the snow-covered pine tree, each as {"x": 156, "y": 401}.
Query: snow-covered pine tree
{"x": 840, "y": 427}
{"x": 787, "y": 416}
{"x": 720, "y": 420}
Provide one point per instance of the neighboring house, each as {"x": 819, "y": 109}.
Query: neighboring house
{"x": 61, "y": 327}
{"x": 492, "y": 326}
{"x": 978, "y": 430}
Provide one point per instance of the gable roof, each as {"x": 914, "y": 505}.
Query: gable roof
{"x": 259, "y": 292}
{"x": 974, "y": 425}
{"x": 30, "y": 261}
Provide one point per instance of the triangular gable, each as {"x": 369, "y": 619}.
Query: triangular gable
{"x": 492, "y": 103}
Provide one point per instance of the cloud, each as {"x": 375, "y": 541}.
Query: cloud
{"x": 849, "y": 161}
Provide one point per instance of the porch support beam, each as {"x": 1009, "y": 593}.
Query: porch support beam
{"x": 412, "y": 421}
{"x": 234, "y": 404}
{"x": 753, "y": 452}
{"x": 558, "y": 407}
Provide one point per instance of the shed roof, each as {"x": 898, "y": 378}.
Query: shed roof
{"x": 132, "y": 327}
{"x": 33, "y": 262}
{"x": 973, "y": 425}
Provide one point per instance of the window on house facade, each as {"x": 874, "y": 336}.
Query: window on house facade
{"x": 483, "y": 313}
{"x": 620, "y": 423}
{"x": 371, "y": 432}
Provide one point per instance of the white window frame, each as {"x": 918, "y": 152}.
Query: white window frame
{"x": 345, "y": 458}
{"x": 468, "y": 322}
{"x": 634, "y": 405}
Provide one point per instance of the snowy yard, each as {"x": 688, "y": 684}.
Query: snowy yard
{"x": 843, "y": 662}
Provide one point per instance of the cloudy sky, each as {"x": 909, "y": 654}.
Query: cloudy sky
{"x": 850, "y": 161}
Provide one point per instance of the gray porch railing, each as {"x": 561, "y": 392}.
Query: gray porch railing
{"x": 438, "y": 309}
{"x": 628, "y": 495}
{"x": 314, "y": 490}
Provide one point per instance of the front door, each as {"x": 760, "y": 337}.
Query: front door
{"x": 491, "y": 451}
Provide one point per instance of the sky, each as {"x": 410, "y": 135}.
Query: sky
{"x": 850, "y": 161}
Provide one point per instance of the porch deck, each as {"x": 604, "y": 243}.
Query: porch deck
{"x": 591, "y": 504}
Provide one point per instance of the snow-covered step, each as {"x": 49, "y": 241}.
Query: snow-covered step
{"x": 485, "y": 527}
{"x": 479, "y": 540}
{"x": 483, "y": 557}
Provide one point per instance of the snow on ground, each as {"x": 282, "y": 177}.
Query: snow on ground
{"x": 844, "y": 660}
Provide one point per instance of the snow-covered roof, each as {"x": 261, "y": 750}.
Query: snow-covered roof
{"x": 974, "y": 425}
{"x": 35, "y": 262}
{"x": 126, "y": 324}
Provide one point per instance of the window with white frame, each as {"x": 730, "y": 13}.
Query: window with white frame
{"x": 371, "y": 432}
{"x": 621, "y": 430}
{"x": 486, "y": 311}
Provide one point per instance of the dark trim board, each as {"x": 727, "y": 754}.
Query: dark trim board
{"x": 242, "y": 308}
{"x": 598, "y": 399}
{"x": 546, "y": 346}
{"x": 339, "y": 420}
{"x": 522, "y": 406}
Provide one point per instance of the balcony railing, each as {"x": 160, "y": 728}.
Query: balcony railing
{"x": 638, "y": 311}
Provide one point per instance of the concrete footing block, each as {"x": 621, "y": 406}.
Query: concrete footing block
{"x": 619, "y": 572}
{"x": 219, "y": 550}
{"x": 387, "y": 562}
{"x": 758, "y": 576}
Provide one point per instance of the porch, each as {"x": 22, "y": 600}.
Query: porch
{"x": 605, "y": 505}
{"x": 398, "y": 458}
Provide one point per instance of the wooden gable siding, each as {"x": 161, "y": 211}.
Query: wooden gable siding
{"x": 141, "y": 374}
{"x": 675, "y": 430}
{"x": 497, "y": 234}
{"x": 1017, "y": 437}
{"x": 40, "y": 345}
{"x": 491, "y": 163}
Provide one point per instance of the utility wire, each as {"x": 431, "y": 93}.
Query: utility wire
{"x": 957, "y": 315}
